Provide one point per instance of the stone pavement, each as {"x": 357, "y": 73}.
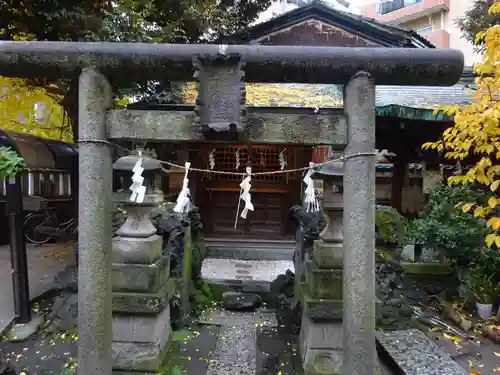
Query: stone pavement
{"x": 44, "y": 262}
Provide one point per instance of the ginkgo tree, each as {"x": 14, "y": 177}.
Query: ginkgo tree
{"x": 28, "y": 109}
{"x": 476, "y": 132}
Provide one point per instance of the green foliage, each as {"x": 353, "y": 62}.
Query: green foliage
{"x": 198, "y": 254}
{"x": 390, "y": 226}
{"x": 477, "y": 19}
{"x": 200, "y": 296}
{"x": 150, "y": 21}
{"x": 483, "y": 288}
{"x": 147, "y": 21}
{"x": 443, "y": 226}
{"x": 10, "y": 163}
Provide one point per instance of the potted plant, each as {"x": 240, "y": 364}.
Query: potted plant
{"x": 484, "y": 290}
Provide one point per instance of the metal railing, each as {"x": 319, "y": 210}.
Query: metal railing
{"x": 47, "y": 183}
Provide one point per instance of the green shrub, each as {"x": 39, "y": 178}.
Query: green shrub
{"x": 390, "y": 226}
{"x": 10, "y": 163}
{"x": 443, "y": 226}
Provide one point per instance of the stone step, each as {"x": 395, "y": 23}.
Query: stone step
{"x": 250, "y": 249}
{"x": 236, "y": 349}
{"x": 221, "y": 317}
{"x": 411, "y": 352}
{"x": 247, "y": 276}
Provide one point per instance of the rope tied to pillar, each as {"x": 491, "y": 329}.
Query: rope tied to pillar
{"x": 243, "y": 174}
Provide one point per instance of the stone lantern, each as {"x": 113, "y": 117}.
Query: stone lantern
{"x": 321, "y": 330}
{"x": 141, "y": 283}
{"x": 332, "y": 175}
{"x": 138, "y": 223}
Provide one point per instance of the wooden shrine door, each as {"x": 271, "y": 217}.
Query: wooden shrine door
{"x": 272, "y": 195}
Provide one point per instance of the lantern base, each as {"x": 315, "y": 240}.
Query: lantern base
{"x": 141, "y": 343}
{"x": 137, "y": 250}
{"x": 321, "y": 347}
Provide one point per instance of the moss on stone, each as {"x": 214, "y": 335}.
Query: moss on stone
{"x": 144, "y": 302}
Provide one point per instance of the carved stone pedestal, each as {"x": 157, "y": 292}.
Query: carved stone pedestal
{"x": 141, "y": 285}
{"x": 321, "y": 330}
{"x": 321, "y": 346}
{"x": 321, "y": 334}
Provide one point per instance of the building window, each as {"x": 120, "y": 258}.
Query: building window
{"x": 388, "y": 6}
{"x": 425, "y": 30}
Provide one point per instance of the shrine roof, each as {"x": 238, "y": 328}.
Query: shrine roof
{"x": 382, "y": 34}
{"x": 419, "y": 102}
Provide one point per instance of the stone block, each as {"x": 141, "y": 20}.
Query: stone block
{"x": 141, "y": 328}
{"x": 320, "y": 309}
{"x": 133, "y": 302}
{"x": 320, "y": 346}
{"x": 140, "y": 277}
{"x": 414, "y": 353}
{"x": 323, "y": 283}
{"x": 321, "y": 334}
{"x": 137, "y": 250}
{"x": 322, "y": 362}
{"x": 141, "y": 356}
{"x": 323, "y": 309}
{"x": 328, "y": 255}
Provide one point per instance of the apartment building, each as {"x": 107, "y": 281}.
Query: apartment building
{"x": 432, "y": 19}
{"x": 279, "y": 7}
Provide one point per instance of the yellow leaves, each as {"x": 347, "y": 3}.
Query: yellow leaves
{"x": 455, "y": 339}
{"x": 482, "y": 178}
{"x": 494, "y": 223}
{"x": 30, "y": 110}
{"x": 279, "y": 95}
{"x": 491, "y": 239}
{"x": 492, "y": 202}
{"x": 495, "y": 8}
{"x": 479, "y": 211}
{"x": 479, "y": 37}
{"x": 433, "y": 146}
{"x": 467, "y": 207}
{"x": 453, "y": 180}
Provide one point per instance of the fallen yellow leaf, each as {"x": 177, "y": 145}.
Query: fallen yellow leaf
{"x": 455, "y": 339}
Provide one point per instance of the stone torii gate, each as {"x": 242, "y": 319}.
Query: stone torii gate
{"x": 220, "y": 116}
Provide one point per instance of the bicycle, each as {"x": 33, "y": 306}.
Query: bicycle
{"x": 43, "y": 226}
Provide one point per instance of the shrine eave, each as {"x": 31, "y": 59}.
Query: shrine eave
{"x": 409, "y": 113}
{"x": 124, "y": 63}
